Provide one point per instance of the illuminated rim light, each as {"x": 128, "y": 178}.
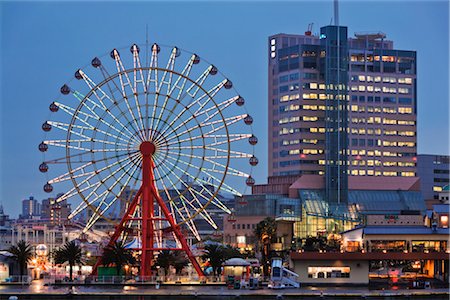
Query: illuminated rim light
{"x": 183, "y": 107}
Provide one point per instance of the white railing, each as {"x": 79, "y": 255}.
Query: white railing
{"x": 25, "y": 279}
{"x": 171, "y": 279}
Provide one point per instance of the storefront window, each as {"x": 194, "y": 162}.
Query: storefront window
{"x": 328, "y": 272}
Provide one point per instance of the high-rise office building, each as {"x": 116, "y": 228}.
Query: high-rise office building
{"x": 341, "y": 106}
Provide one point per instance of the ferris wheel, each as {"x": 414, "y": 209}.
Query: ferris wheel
{"x": 158, "y": 132}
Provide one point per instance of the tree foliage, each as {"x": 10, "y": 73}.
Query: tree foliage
{"x": 71, "y": 253}
{"x": 117, "y": 255}
{"x": 22, "y": 253}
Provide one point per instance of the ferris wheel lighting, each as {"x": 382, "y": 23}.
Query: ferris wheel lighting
{"x": 172, "y": 123}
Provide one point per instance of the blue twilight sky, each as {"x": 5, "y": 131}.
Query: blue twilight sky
{"x": 43, "y": 43}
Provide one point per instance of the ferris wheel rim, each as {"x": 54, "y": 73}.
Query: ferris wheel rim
{"x": 127, "y": 71}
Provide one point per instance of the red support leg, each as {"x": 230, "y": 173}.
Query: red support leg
{"x": 148, "y": 195}
{"x": 147, "y": 150}
{"x": 126, "y": 217}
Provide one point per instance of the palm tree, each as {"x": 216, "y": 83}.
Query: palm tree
{"x": 215, "y": 255}
{"x": 164, "y": 260}
{"x": 265, "y": 232}
{"x": 230, "y": 252}
{"x": 116, "y": 254}
{"x": 22, "y": 253}
{"x": 70, "y": 253}
{"x": 180, "y": 261}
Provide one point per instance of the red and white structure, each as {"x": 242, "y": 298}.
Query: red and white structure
{"x": 176, "y": 133}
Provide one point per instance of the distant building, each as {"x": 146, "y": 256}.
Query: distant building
{"x": 5, "y": 230}
{"x": 433, "y": 171}
{"x": 54, "y": 211}
{"x": 31, "y": 208}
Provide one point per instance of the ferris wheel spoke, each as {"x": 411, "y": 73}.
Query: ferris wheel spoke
{"x": 63, "y": 144}
{"x": 70, "y": 128}
{"x": 230, "y": 138}
{"x": 63, "y": 160}
{"x": 95, "y": 88}
{"x": 152, "y": 76}
{"x": 99, "y": 212}
{"x": 194, "y": 86}
{"x": 213, "y": 111}
{"x": 229, "y": 169}
{"x": 76, "y": 114}
{"x": 108, "y": 80}
{"x": 215, "y": 201}
{"x": 168, "y": 72}
{"x": 92, "y": 141}
{"x": 136, "y": 80}
{"x": 233, "y": 154}
{"x": 187, "y": 218}
{"x": 73, "y": 172}
{"x": 109, "y": 190}
{"x": 179, "y": 84}
{"x": 175, "y": 210}
{"x": 203, "y": 213}
{"x": 126, "y": 82}
{"x": 224, "y": 186}
{"x": 202, "y": 183}
{"x": 193, "y": 89}
{"x": 83, "y": 205}
{"x": 224, "y": 124}
{"x": 208, "y": 95}
{"x": 210, "y": 112}
{"x": 86, "y": 181}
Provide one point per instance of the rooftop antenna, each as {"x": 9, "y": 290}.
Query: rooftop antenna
{"x": 336, "y": 12}
{"x": 146, "y": 44}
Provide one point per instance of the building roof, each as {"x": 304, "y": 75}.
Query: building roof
{"x": 399, "y": 230}
{"x": 441, "y": 208}
{"x": 309, "y": 182}
{"x": 334, "y": 256}
{"x": 372, "y": 183}
{"x": 380, "y": 183}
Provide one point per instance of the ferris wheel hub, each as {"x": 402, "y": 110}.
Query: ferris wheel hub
{"x": 147, "y": 148}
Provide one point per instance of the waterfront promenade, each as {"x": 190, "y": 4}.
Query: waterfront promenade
{"x": 38, "y": 291}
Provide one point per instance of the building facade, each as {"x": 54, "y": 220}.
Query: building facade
{"x": 340, "y": 107}
{"x": 433, "y": 171}
{"x": 30, "y": 208}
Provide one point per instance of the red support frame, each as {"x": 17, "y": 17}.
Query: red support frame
{"x": 148, "y": 197}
